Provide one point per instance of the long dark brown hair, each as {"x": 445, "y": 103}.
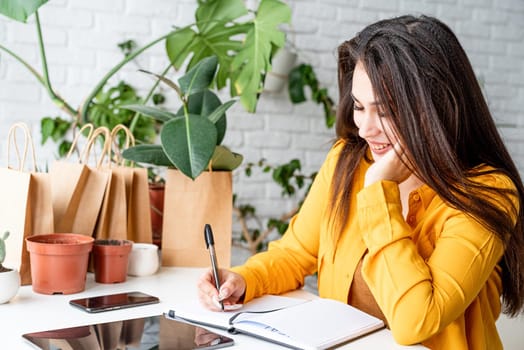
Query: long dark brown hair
{"x": 425, "y": 82}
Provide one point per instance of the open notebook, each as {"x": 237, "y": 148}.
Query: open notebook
{"x": 296, "y": 323}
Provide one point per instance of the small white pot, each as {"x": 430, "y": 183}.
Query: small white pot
{"x": 9, "y": 285}
{"x": 281, "y": 65}
{"x": 143, "y": 259}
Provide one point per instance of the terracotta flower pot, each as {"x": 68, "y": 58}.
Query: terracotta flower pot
{"x": 59, "y": 262}
{"x": 110, "y": 259}
{"x": 156, "y": 197}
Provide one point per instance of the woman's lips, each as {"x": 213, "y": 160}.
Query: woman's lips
{"x": 379, "y": 148}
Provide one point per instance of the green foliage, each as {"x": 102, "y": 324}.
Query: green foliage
{"x": 106, "y": 110}
{"x": 127, "y": 47}
{"x": 242, "y": 44}
{"x": 2, "y": 247}
{"x": 189, "y": 138}
{"x": 19, "y": 10}
{"x": 302, "y": 76}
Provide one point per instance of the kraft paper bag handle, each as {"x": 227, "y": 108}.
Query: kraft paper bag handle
{"x": 106, "y": 148}
{"x": 28, "y": 144}
{"x": 129, "y": 142}
{"x": 74, "y": 144}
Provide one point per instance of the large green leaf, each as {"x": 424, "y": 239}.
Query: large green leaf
{"x": 154, "y": 112}
{"x": 150, "y": 154}
{"x": 20, "y": 10}
{"x": 254, "y": 59}
{"x": 206, "y": 104}
{"x": 217, "y": 33}
{"x": 224, "y": 159}
{"x": 189, "y": 142}
{"x": 199, "y": 77}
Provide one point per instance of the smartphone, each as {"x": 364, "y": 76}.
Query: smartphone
{"x": 113, "y": 301}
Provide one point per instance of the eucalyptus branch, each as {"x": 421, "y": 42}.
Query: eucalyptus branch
{"x": 100, "y": 85}
{"x": 58, "y": 100}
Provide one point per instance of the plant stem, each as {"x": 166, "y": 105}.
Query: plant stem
{"x": 59, "y": 101}
{"x": 32, "y": 70}
{"x": 137, "y": 115}
{"x": 100, "y": 85}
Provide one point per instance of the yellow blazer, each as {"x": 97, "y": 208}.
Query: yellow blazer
{"x": 435, "y": 275}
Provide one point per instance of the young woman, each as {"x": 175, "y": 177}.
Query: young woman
{"x": 417, "y": 214}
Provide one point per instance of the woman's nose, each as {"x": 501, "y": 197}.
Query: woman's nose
{"x": 369, "y": 126}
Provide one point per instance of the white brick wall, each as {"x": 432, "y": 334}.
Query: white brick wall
{"x": 81, "y": 38}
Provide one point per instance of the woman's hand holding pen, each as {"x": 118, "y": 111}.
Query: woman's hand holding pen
{"x": 232, "y": 289}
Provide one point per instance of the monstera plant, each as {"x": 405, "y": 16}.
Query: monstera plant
{"x": 242, "y": 41}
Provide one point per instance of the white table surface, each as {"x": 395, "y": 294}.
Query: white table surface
{"x": 32, "y": 312}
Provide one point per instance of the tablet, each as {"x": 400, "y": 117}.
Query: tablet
{"x": 156, "y": 332}
{"x": 113, "y": 301}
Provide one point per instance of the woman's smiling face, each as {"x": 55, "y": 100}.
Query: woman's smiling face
{"x": 368, "y": 114}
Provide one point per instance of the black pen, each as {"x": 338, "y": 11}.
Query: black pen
{"x": 210, "y": 244}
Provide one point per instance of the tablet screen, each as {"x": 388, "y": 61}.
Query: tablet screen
{"x": 156, "y": 332}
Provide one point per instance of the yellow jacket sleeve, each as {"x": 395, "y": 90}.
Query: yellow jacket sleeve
{"x": 418, "y": 296}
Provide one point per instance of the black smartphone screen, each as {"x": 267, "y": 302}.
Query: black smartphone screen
{"x": 114, "y": 301}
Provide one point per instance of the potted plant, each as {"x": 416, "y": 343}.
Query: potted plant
{"x": 59, "y": 262}
{"x": 9, "y": 278}
{"x": 110, "y": 260}
{"x": 190, "y": 142}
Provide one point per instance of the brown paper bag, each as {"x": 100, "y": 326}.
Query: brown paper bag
{"x": 112, "y": 219}
{"x": 26, "y": 207}
{"x": 137, "y": 190}
{"x": 77, "y": 191}
{"x": 188, "y": 206}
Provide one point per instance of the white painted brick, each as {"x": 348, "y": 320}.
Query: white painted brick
{"x": 508, "y": 32}
{"x": 95, "y": 39}
{"x": 27, "y": 52}
{"x": 302, "y": 26}
{"x": 185, "y": 14}
{"x": 70, "y": 56}
{"x": 21, "y": 92}
{"x": 335, "y": 30}
{"x": 356, "y": 17}
{"x": 319, "y": 11}
{"x": 386, "y": 5}
{"x": 64, "y": 17}
{"x": 473, "y": 29}
{"x": 314, "y": 43}
{"x": 511, "y": 5}
{"x": 245, "y": 121}
{"x": 478, "y": 3}
{"x": 265, "y": 140}
{"x": 507, "y": 63}
{"x": 160, "y": 8}
{"x": 310, "y": 142}
{"x": 490, "y": 16}
{"x": 128, "y": 25}
{"x": 516, "y": 49}
{"x": 451, "y": 12}
{"x": 292, "y": 124}
{"x": 268, "y": 104}
{"x": 279, "y": 157}
{"x": 485, "y": 46}
{"x": 99, "y": 5}
{"x": 417, "y": 7}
